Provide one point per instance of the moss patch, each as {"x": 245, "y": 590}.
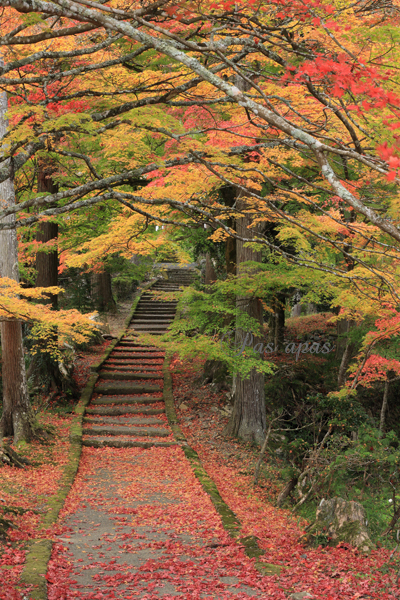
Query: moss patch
{"x": 34, "y": 573}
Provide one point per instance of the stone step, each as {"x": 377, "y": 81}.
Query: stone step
{"x": 156, "y": 310}
{"x": 155, "y": 313}
{"x": 123, "y": 345}
{"x": 149, "y": 326}
{"x": 135, "y": 362}
{"x": 126, "y": 389}
{"x": 112, "y": 375}
{"x": 116, "y": 353}
{"x": 157, "y": 304}
{"x": 135, "y": 347}
{"x": 114, "y": 411}
{"x": 103, "y": 442}
{"x": 154, "y": 294}
{"x": 104, "y": 400}
{"x": 126, "y": 430}
{"x": 133, "y": 354}
{"x": 136, "y": 368}
{"x": 110, "y": 420}
{"x": 154, "y": 300}
{"x": 158, "y": 316}
{"x": 153, "y": 331}
{"x": 151, "y": 321}
{"x": 150, "y": 331}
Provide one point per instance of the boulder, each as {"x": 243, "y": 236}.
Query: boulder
{"x": 341, "y": 521}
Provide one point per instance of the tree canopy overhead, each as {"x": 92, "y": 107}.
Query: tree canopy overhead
{"x": 154, "y": 107}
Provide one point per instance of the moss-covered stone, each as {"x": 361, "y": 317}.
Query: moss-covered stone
{"x": 340, "y": 521}
{"x": 34, "y": 573}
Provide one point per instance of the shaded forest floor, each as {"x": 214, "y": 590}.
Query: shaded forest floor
{"x": 329, "y": 573}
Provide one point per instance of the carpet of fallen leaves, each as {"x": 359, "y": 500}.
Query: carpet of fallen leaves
{"x": 28, "y": 491}
{"x": 329, "y": 573}
{"x": 158, "y": 507}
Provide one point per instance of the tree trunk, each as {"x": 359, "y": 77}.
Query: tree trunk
{"x": 384, "y": 406}
{"x": 47, "y": 262}
{"x": 279, "y": 322}
{"x": 248, "y": 419}
{"x": 230, "y": 256}
{"x": 228, "y": 194}
{"x": 102, "y": 292}
{"x": 16, "y": 419}
{"x": 345, "y": 346}
{"x": 209, "y": 276}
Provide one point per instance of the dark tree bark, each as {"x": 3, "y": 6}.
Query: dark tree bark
{"x": 228, "y": 194}
{"x": 277, "y": 322}
{"x": 384, "y": 406}
{"x": 344, "y": 347}
{"x": 102, "y": 292}
{"x": 17, "y": 419}
{"x": 230, "y": 256}
{"x": 248, "y": 419}
{"x": 47, "y": 262}
{"x": 210, "y": 275}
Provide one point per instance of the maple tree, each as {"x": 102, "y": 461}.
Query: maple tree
{"x": 292, "y": 105}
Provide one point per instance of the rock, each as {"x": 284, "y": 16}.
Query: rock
{"x": 183, "y": 406}
{"x": 277, "y": 437}
{"x": 343, "y": 522}
{"x": 300, "y": 596}
{"x": 215, "y": 372}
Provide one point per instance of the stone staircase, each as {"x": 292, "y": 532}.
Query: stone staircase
{"x": 152, "y": 315}
{"x": 180, "y": 275}
{"x": 127, "y": 407}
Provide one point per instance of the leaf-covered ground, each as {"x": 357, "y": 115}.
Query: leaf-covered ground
{"x": 138, "y": 525}
{"x": 28, "y": 492}
{"x": 339, "y": 573}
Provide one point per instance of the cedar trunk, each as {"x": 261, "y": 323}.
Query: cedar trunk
{"x": 102, "y": 292}
{"x": 248, "y": 419}
{"x": 228, "y": 194}
{"x": 345, "y": 348}
{"x": 210, "y": 276}
{"x": 17, "y": 418}
{"x": 47, "y": 262}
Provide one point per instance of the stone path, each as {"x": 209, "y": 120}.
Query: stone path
{"x": 137, "y": 523}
